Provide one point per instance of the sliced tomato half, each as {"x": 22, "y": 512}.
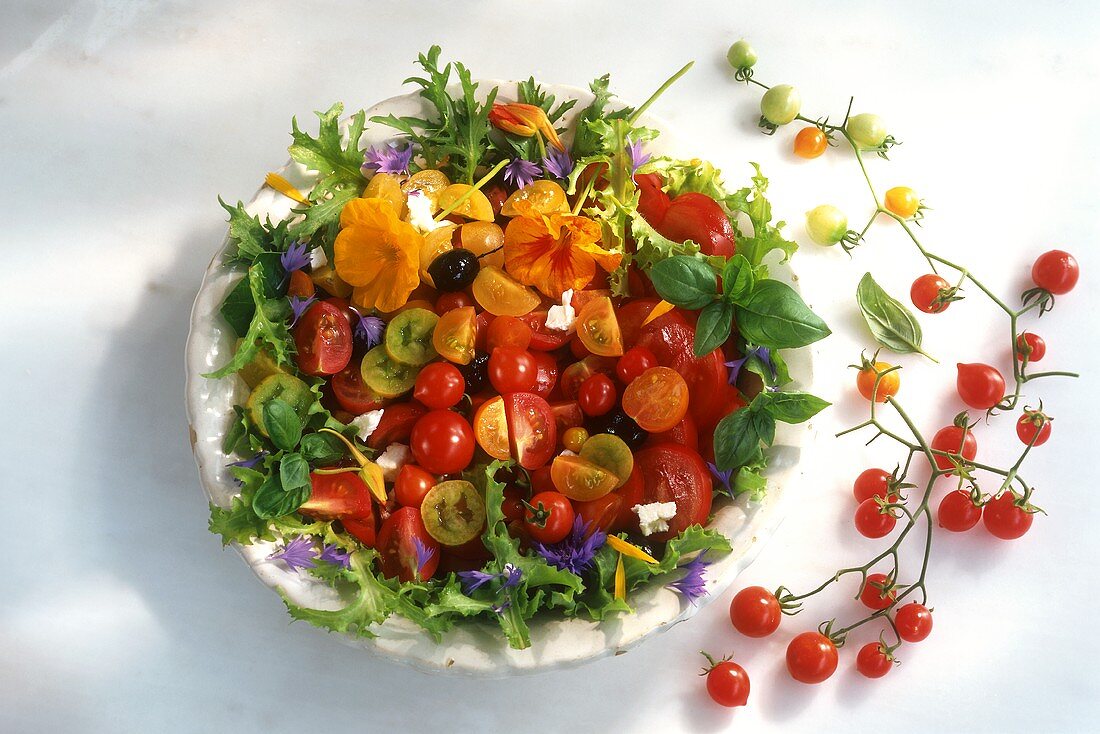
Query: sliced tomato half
{"x": 532, "y": 430}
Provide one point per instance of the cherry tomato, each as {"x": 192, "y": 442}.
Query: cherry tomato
{"x": 957, "y": 512}
{"x": 826, "y": 225}
{"x": 481, "y": 327}
{"x": 811, "y": 657}
{"x": 439, "y": 385}
{"x": 363, "y": 529}
{"x": 877, "y": 593}
{"x": 512, "y": 370}
{"x": 397, "y": 546}
{"x": 455, "y": 334}
{"x": 546, "y": 373}
{"x": 1005, "y": 519}
{"x": 598, "y": 328}
{"x": 755, "y": 612}
{"x": 633, "y": 363}
{"x": 577, "y": 348}
{"x": 1030, "y": 346}
{"x": 873, "y": 521}
{"x": 902, "y": 200}
{"x": 867, "y": 130}
{"x": 780, "y": 104}
{"x": 671, "y": 473}
{"x": 541, "y": 480}
{"x": 872, "y": 661}
{"x": 573, "y": 438}
{"x": 567, "y": 414}
{"x": 336, "y": 496}
{"x": 810, "y": 142}
{"x": 452, "y": 300}
{"x": 1033, "y": 427}
{"x": 871, "y": 483}
{"x": 980, "y": 385}
{"x": 950, "y": 439}
{"x": 926, "y": 291}
{"x": 442, "y": 442}
{"x": 653, "y": 202}
{"x": 512, "y": 505}
{"x": 411, "y": 485}
{"x": 728, "y": 684}
{"x": 657, "y": 400}
{"x": 491, "y": 428}
{"x": 532, "y": 430}
{"x": 300, "y": 285}
{"x": 396, "y": 424}
{"x": 697, "y": 217}
{"x": 508, "y": 331}
{"x": 913, "y": 622}
{"x": 323, "y": 340}
{"x": 549, "y": 517}
{"x": 351, "y": 392}
{"x": 542, "y": 338}
{"x": 888, "y": 385}
{"x": 602, "y": 513}
{"x": 597, "y": 395}
{"x": 1056, "y": 271}
{"x": 575, "y": 374}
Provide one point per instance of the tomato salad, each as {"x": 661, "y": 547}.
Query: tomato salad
{"x": 503, "y": 365}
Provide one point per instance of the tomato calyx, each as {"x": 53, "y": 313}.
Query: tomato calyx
{"x": 1035, "y": 417}
{"x": 537, "y": 514}
{"x": 712, "y": 663}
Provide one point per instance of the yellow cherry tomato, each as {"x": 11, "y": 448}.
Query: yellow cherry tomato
{"x": 810, "y": 142}
{"x": 903, "y": 201}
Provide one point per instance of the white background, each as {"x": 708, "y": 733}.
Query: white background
{"x": 122, "y": 120}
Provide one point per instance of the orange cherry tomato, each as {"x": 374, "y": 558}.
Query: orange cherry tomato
{"x": 491, "y": 428}
{"x": 300, "y": 285}
{"x": 580, "y": 479}
{"x": 508, "y": 331}
{"x": 810, "y": 142}
{"x": 902, "y": 200}
{"x": 598, "y": 328}
{"x": 887, "y": 387}
{"x": 657, "y": 399}
{"x": 455, "y": 334}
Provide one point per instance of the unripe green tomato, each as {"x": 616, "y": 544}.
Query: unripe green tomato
{"x": 826, "y": 224}
{"x": 780, "y": 104}
{"x": 867, "y": 130}
{"x": 741, "y": 55}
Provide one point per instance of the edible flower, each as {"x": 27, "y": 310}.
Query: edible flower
{"x": 296, "y": 257}
{"x": 558, "y": 163}
{"x": 335, "y": 555}
{"x": 473, "y": 580}
{"x": 296, "y": 554}
{"x": 388, "y": 159}
{"x": 762, "y": 353}
{"x": 368, "y": 329}
{"x": 575, "y": 552}
{"x": 286, "y": 188}
{"x": 722, "y": 475}
{"x": 423, "y": 555}
{"x": 638, "y": 157}
{"x": 692, "y": 585}
{"x": 521, "y": 172}
{"x": 629, "y": 549}
{"x": 524, "y": 120}
{"x": 377, "y": 252}
{"x": 298, "y": 306}
{"x": 251, "y": 462}
{"x": 369, "y": 472}
{"x": 555, "y": 252}
{"x": 659, "y": 309}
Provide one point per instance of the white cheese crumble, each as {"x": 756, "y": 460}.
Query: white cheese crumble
{"x": 420, "y": 213}
{"x": 366, "y": 423}
{"x": 567, "y": 452}
{"x": 317, "y": 258}
{"x": 654, "y": 517}
{"x": 392, "y": 459}
{"x": 561, "y": 318}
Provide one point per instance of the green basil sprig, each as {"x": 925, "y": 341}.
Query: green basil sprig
{"x": 283, "y": 425}
{"x": 891, "y": 323}
{"x": 740, "y": 436}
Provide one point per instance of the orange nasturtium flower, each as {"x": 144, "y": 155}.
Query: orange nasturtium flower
{"x": 378, "y": 253}
{"x": 555, "y": 252}
{"x": 524, "y": 120}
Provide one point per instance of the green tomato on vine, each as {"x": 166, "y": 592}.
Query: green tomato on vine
{"x": 868, "y": 131}
{"x": 826, "y": 225}
{"x": 741, "y": 55}
{"x": 780, "y": 104}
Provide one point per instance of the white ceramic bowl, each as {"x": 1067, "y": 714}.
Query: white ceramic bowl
{"x": 472, "y": 648}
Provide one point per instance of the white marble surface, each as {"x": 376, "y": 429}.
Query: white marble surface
{"x": 123, "y": 120}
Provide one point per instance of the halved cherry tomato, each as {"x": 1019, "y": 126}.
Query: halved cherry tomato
{"x": 598, "y": 328}
{"x": 567, "y": 414}
{"x": 396, "y": 424}
{"x": 653, "y": 201}
{"x": 455, "y": 334}
{"x": 323, "y": 340}
{"x": 363, "y": 529}
{"x": 481, "y": 338}
{"x": 337, "y": 496}
{"x": 451, "y": 300}
{"x": 581, "y": 479}
{"x": 532, "y": 430}
{"x": 508, "y": 331}
{"x": 601, "y": 513}
{"x": 352, "y": 393}
{"x": 411, "y": 485}
{"x": 671, "y": 473}
{"x": 442, "y": 442}
{"x": 300, "y": 285}
{"x": 542, "y": 338}
{"x": 546, "y": 373}
{"x": 501, "y": 294}
{"x": 491, "y": 428}
{"x": 397, "y": 549}
{"x": 657, "y": 400}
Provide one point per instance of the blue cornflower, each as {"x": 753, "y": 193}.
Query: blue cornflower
{"x": 296, "y": 554}
{"x": 388, "y": 159}
{"x": 474, "y": 580}
{"x": 298, "y": 306}
{"x": 576, "y": 551}
{"x": 638, "y": 157}
{"x": 722, "y": 476}
{"x": 521, "y": 172}
{"x": 369, "y": 330}
{"x": 251, "y": 462}
{"x": 335, "y": 555}
{"x": 558, "y": 163}
{"x": 762, "y": 353}
{"x": 423, "y": 555}
{"x": 296, "y": 257}
{"x": 692, "y": 584}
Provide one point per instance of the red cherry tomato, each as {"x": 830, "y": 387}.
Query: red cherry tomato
{"x": 913, "y": 622}
{"x": 877, "y": 593}
{"x": 363, "y": 529}
{"x": 597, "y": 395}
{"x": 1056, "y": 271}
{"x": 542, "y": 338}
{"x": 1033, "y": 427}
{"x": 602, "y": 513}
{"x": 872, "y": 661}
{"x": 811, "y": 658}
{"x": 634, "y": 363}
{"x": 1005, "y": 519}
{"x": 755, "y": 612}
{"x": 728, "y": 684}
{"x": 439, "y": 385}
{"x": 549, "y": 517}
{"x": 670, "y": 473}
{"x": 323, "y": 340}
{"x": 508, "y": 331}
{"x": 481, "y": 330}
{"x": 512, "y": 370}
{"x": 450, "y": 300}
{"x": 950, "y": 439}
{"x": 871, "y": 483}
{"x": 926, "y": 290}
{"x": 1031, "y": 346}
{"x": 532, "y": 430}
{"x": 411, "y": 485}
{"x": 872, "y": 521}
{"x": 980, "y": 385}
{"x": 336, "y": 496}
{"x": 567, "y": 414}
{"x": 541, "y": 480}
{"x": 442, "y": 442}
{"x": 396, "y": 424}
{"x": 957, "y": 512}
{"x": 397, "y": 546}
{"x": 697, "y": 217}
{"x": 653, "y": 201}
{"x": 577, "y": 348}
{"x": 512, "y": 505}
{"x": 546, "y": 373}
{"x": 351, "y": 392}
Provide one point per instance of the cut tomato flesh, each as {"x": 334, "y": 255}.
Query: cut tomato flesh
{"x": 532, "y": 430}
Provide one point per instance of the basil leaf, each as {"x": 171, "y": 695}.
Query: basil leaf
{"x": 790, "y": 407}
{"x": 294, "y": 473}
{"x": 283, "y": 425}
{"x": 321, "y": 448}
{"x": 891, "y": 324}
{"x": 713, "y": 327}
{"x": 764, "y": 425}
{"x": 272, "y": 500}
{"x": 736, "y": 440}
{"x": 684, "y": 281}
{"x": 738, "y": 279}
{"x": 238, "y": 307}
{"x": 775, "y": 316}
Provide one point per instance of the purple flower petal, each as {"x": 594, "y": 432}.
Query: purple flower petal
{"x": 521, "y": 172}
{"x": 423, "y": 554}
{"x": 499, "y": 608}
{"x": 369, "y": 329}
{"x": 558, "y": 163}
{"x": 250, "y": 463}
{"x": 692, "y": 585}
{"x": 512, "y": 574}
{"x": 638, "y": 157}
{"x": 335, "y": 555}
{"x": 388, "y": 159}
{"x": 474, "y": 580}
{"x": 575, "y": 552}
{"x": 764, "y": 354}
{"x": 298, "y": 307}
{"x": 295, "y": 258}
{"x": 735, "y": 368}
{"x": 721, "y": 476}
{"x": 296, "y": 554}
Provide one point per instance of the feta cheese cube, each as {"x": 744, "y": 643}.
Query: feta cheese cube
{"x": 366, "y": 423}
{"x": 654, "y": 517}
{"x": 561, "y": 318}
{"x": 392, "y": 459}
{"x": 420, "y": 213}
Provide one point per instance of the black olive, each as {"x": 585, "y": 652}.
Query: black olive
{"x": 618, "y": 423}
{"x": 454, "y": 270}
{"x": 476, "y": 373}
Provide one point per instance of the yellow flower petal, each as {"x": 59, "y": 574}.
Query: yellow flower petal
{"x": 657, "y": 311}
{"x": 620, "y": 578}
{"x": 285, "y": 188}
{"x": 628, "y": 549}
{"x": 370, "y": 473}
